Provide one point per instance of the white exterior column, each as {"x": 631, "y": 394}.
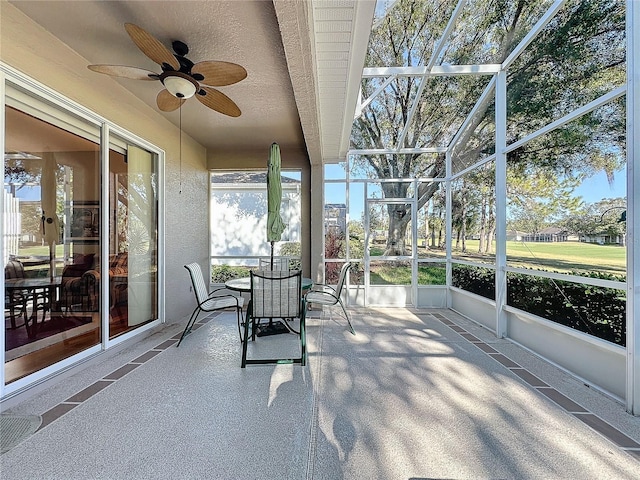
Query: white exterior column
{"x": 317, "y": 223}
{"x": 501, "y": 203}
{"x": 633, "y": 212}
{"x": 448, "y": 227}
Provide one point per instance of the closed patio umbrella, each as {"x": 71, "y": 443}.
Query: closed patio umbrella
{"x": 50, "y": 224}
{"x": 275, "y": 225}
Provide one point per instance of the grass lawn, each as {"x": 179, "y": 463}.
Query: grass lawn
{"x": 41, "y": 250}
{"x": 561, "y": 257}
{"x": 401, "y": 275}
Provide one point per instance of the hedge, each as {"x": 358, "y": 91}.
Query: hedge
{"x": 598, "y": 311}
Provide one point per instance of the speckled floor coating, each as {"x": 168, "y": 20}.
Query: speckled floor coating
{"x": 416, "y": 394}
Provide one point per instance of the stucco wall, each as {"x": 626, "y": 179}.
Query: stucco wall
{"x": 26, "y": 47}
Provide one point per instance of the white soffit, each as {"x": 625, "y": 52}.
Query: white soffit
{"x": 325, "y": 43}
{"x": 341, "y": 36}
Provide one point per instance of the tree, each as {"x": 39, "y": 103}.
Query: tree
{"x": 603, "y": 217}
{"x": 537, "y": 199}
{"x": 577, "y": 57}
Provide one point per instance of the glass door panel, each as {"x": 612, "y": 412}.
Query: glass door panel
{"x": 52, "y": 235}
{"x": 133, "y": 237}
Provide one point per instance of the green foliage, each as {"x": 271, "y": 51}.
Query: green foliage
{"x": 598, "y": 311}
{"x": 290, "y": 249}
{"x": 478, "y": 280}
{"x": 222, "y": 273}
{"x": 334, "y": 244}
{"x": 356, "y": 239}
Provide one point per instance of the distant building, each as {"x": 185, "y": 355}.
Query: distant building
{"x": 512, "y": 235}
{"x": 602, "y": 239}
{"x": 550, "y": 234}
{"x": 335, "y": 217}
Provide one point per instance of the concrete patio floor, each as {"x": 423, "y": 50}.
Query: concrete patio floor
{"x": 416, "y": 394}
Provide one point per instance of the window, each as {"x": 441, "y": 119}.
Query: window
{"x": 238, "y": 216}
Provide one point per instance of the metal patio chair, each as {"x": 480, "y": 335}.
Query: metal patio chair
{"x": 209, "y": 301}
{"x": 280, "y": 264}
{"x": 322, "y": 294}
{"x": 275, "y": 294}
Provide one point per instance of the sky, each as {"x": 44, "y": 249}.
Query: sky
{"x": 597, "y": 187}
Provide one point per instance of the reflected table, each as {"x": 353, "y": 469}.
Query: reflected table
{"x": 42, "y": 292}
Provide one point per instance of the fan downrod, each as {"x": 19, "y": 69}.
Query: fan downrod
{"x": 180, "y": 48}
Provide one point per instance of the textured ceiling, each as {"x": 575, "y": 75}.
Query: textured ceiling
{"x": 304, "y": 60}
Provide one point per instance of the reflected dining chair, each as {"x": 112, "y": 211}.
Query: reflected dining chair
{"x": 16, "y": 299}
{"x": 275, "y": 294}
{"x": 322, "y": 294}
{"x": 209, "y": 301}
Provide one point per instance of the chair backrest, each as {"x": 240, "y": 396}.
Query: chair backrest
{"x": 276, "y": 294}
{"x": 280, "y": 264}
{"x": 14, "y": 269}
{"x": 197, "y": 279}
{"x": 343, "y": 275}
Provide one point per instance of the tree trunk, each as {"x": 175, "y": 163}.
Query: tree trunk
{"x": 399, "y": 217}
{"x": 483, "y": 224}
{"x": 433, "y": 235}
{"x": 490, "y": 234}
{"x": 463, "y": 221}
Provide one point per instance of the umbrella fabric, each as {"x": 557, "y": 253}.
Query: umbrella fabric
{"x": 50, "y": 224}
{"x": 275, "y": 225}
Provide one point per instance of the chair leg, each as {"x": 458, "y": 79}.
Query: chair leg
{"x": 190, "y": 323}
{"x": 303, "y": 335}
{"x": 240, "y": 322}
{"x": 353, "y": 332}
{"x": 245, "y": 341}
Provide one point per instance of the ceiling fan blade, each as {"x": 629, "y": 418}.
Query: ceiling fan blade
{"x": 151, "y": 46}
{"x": 218, "y": 101}
{"x": 167, "y": 102}
{"x": 134, "y": 73}
{"x": 218, "y": 74}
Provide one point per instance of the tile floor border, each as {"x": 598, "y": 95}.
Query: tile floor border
{"x": 615, "y": 436}
{"x": 85, "y": 394}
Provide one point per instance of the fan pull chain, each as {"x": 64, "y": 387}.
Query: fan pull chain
{"x": 180, "y": 150}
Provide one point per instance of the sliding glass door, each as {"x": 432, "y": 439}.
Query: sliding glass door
{"x": 81, "y": 235}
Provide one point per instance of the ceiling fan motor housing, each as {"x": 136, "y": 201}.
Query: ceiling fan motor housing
{"x": 180, "y": 85}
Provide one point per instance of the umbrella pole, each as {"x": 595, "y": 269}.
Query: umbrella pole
{"x": 272, "y": 255}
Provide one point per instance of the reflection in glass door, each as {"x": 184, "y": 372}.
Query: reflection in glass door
{"x": 133, "y": 237}
{"x": 389, "y": 252}
{"x": 52, "y": 235}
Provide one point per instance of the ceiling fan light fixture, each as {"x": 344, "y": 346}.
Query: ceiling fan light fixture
{"x": 180, "y": 77}
{"x": 179, "y": 86}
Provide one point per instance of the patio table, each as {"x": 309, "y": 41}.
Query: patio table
{"x": 243, "y": 284}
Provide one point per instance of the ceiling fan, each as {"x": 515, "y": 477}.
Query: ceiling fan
{"x": 181, "y": 78}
